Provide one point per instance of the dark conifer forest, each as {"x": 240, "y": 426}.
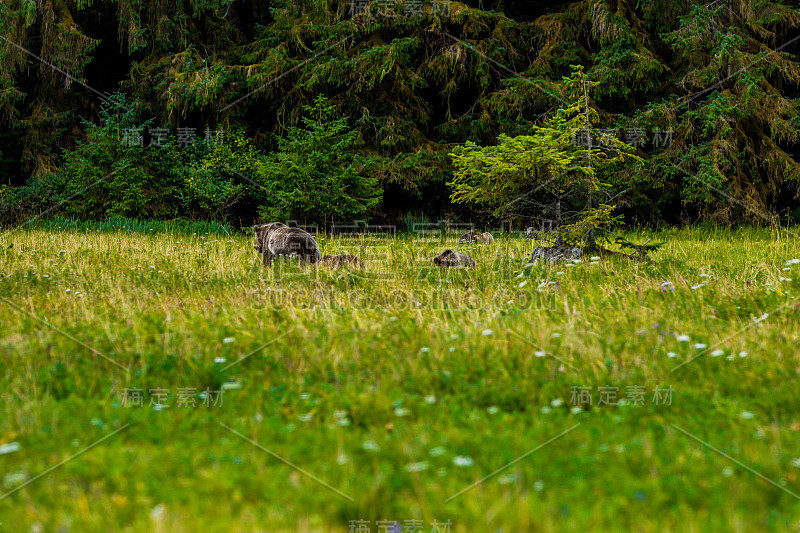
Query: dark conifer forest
{"x": 201, "y": 109}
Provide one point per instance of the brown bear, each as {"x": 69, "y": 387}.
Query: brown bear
{"x": 471, "y": 236}
{"x": 449, "y": 258}
{"x": 341, "y": 260}
{"x": 276, "y": 239}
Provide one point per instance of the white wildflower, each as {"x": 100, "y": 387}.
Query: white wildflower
{"x": 437, "y": 451}
{"x": 463, "y": 460}
{"x": 370, "y": 445}
{"x": 416, "y": 467}
{"x": 506, "y": 479}
{"x": 10, "y": 447}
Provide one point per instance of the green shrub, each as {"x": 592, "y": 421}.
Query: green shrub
{"x": 315, "y": 174}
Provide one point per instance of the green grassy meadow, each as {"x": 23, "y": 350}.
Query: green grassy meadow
{"x": 398, "y": 394}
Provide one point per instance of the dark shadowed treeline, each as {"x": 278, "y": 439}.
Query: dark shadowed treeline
{"x": 119, "y": 103}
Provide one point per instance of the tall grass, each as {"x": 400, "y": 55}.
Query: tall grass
{"x": 398, "y": 386}
{"x": 131, "y": 225}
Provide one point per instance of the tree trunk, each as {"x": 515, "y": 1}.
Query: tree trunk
{"x": 591, "y": 245}
{"x": 558, "y": 219}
